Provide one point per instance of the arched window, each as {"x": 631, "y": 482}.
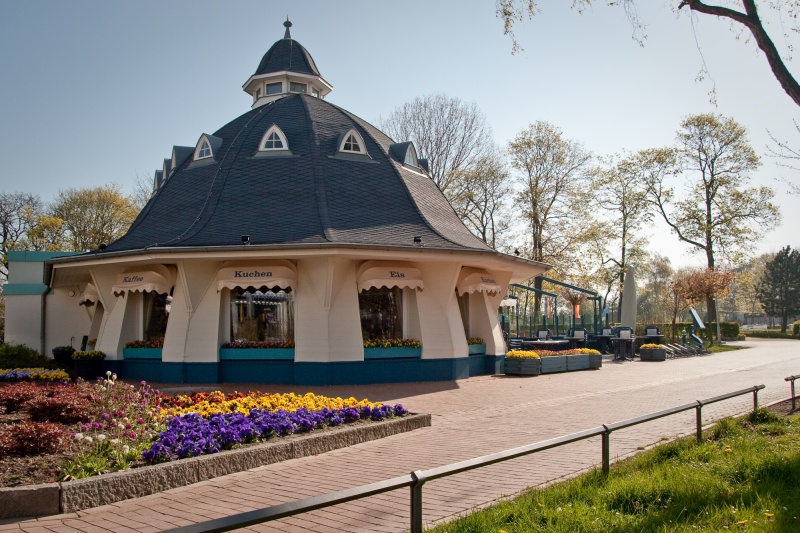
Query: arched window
{"x": 203, "y": 150}
{"x": 411, "y": 156}
{"x": 352, "y": 143}
{"x": 273, "y": 139}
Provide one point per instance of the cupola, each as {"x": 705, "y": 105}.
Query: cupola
{"x": 286, "y": 68}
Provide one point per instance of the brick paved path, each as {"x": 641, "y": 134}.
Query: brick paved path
{"x": 470, "y": 418}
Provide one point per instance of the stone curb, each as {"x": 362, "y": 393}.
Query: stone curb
{"x": 72, "y": 496}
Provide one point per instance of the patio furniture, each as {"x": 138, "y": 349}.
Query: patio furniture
{"x": 577, "y": 337}
{"x": 652, "y": 335}
{"x": 623, "y": 343}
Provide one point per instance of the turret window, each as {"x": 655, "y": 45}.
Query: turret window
{"x": 273, "y": 142}
{"x": 297, "y": 87}
{"x": 273, "y": 139}
{"x": 274, "y": 88}
{"x": 411, "y": 156}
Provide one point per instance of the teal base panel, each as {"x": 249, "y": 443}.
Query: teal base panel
{"x": 280, "y": 372}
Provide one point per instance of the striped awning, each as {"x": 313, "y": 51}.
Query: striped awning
{"x": 477, "y": 280}
{"x": 266, "y": 275}
{"x": 155, "y": 278}
{"x": 389, "y": 274}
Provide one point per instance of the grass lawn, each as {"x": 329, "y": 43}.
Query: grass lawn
{"x": 744, "y": 477}
{"x": 719, "y": 348}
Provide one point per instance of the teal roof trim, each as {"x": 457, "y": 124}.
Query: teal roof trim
{"x": 24, "y": 256}
{"x": 24, "y": 289}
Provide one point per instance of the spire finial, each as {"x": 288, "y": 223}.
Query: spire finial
{"x": 287, "y": 25}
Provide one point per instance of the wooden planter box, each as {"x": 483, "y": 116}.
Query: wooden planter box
{"x": 522, "y": 366}
{"x": 141, "y": 353}
{"x": 595, "y": 361}
{"x": 554, "y": 363}
{"x": 577, "y": 362}
{"x": 395, "y": 352}
{"x": 256, "y": 354}
{"x": 476, "y": 349}
{"x": 653, "y": 354}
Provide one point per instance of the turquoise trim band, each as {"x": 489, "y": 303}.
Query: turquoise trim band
{"x": 24, "y": 289}
{"x": 141, "y": 353}
{"x": 24, "y": 256}
{"x": 256, "y": 354}
{"x": 394, "y": 352}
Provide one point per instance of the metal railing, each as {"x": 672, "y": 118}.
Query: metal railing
{"x": 415, "y": 480}
{"x": 791, "y": 379}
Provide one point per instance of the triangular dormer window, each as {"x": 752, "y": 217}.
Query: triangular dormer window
{"x": 411, "y": 156}
{"x": 352, "y": 143}
{"x": 273, "y": 139}
{"x": 203, "y": 149}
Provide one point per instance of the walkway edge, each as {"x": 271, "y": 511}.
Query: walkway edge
{"x": 72, "y": 496}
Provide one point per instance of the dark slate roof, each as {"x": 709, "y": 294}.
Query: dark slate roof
{"x": 287, "y": 54}
{"x": 310, "y": 197}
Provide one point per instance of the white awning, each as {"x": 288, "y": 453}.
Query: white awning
{"x": 157, "y": 278}
{"x": 509, "y": 302}
{"x": 389, "y": 274}
{"x": 266, "y": 275}
{"x": 476, "y": 280}
{"x": 89, "y": 296}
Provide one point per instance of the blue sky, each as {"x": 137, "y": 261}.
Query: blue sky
{"x": 94, "y": 91}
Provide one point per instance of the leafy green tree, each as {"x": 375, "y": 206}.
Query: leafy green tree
{"x": 744, "y": 18}
{"x": 93, "y": 216}
{"x": 716, "y": 214}
{"x": 779, "y": 289}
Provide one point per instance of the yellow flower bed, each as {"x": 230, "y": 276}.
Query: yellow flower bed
{"x": 522, "y": 354}
{"x": 269, "y": 402}
{"x": 652, "y": 347}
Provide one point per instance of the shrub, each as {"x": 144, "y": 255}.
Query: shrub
{"x": 13, "y": 396}
{"x": 20, "y": 356}
{"x": 65, "y": 404}
{"x": 475, "y": 340}
{"x": 86, "y": 355}
{"x": 796, "y": 327}
{"x": 32, "y": 438}
{"x": 393, "y": 343}
{"x": 761, "y": 334}
{"x": 145, "y": 344}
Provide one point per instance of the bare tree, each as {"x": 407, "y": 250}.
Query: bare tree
{"x": 142, "y": 191}
{"x": 453, "y": 135}
{"x": 746, "y": 17}
{"x": 554, "y": 199}
{"x": 717, "y": 215}
{"x": 480, "y": 196}
{"x": 17, "y": 212}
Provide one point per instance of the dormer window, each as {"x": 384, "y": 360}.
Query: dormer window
{"x": 273, "y": 140}
{"x": 352, "y": 143}
{"x": 297, "y": 87}
{"x": 314, "y": 92}
{"x": 204, "y": 150}
{"x": 206, "y": 147}
{"x": 411, "y": 157}
{"x": 274, "y": 88}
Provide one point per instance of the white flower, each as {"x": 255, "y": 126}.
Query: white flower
{"x": 108, "y": 373}
{"x": 88, "y": 439}
{"x": 120, "y": 426}
{"x": 100, "y": 437}
{"x": 125, "y": 449}
{"x": 114, "y": 441}
{"x": 78, "y": 436}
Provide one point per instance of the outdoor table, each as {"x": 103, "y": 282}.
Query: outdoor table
{"x": 655, "y": 339}
{"x": 604, "y": 343}
{"x": 545, "y": 345}
{"x": 622, "y": 348}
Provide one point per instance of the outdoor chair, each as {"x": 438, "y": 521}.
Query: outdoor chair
{"x": 579, "y": 336}
{"x": 623, "y": 348}
{"x": 651, "y": 331}
{"x": 543, "y": 334}
{"x": 607, "y": 331}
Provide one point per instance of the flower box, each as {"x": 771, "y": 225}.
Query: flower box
{"x": 476, "y": 349}
{"x": 554, "y": 363}
{"x": 653, "y": 354}
{"x": 255, "y": 354}
{"x": 395, "y": 352}
{"x": 63, "y": 354}
{"x": 522, "y": 366}
{"x": 595, "y": 361}
{"x": 577, "y": 362}
{"x": 141, "y": 353}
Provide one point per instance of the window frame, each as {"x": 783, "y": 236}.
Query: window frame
{"x": 268, "y": 85}
{"x": 262, "y": 145}
{"x": 362, "y": 149}
{"x": 297, "y": 83}
{"x": 203, "y": 144}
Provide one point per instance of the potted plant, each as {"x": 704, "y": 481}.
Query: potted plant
{"x": 257, "y": 350}
{"x": 476, "y": 346}
{"x": 522, "y": 363}
{"x": 653, "y": 352}
{"x": 139, "y": 349}
{"x": 88, "y": 364}
{"x": 392, "y": 349}
{"x": 63, "y": 355}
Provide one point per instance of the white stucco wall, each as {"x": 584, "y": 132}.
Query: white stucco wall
{"x": 23, "y": 320}
{"x": 66, "y": 322}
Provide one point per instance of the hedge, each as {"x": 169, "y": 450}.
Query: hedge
{"x": 727, "y": 329}
{"x": 20, "y": 356}
{"x": 796, "y": 328}
{"x": 765, "y": 334}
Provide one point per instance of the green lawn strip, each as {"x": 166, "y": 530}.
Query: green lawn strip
{"x": 744, "y": 477}
{"x": 718, "y": 348}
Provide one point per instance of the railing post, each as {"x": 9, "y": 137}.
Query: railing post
{"x": 793, "y": 399}
{"x": 755, "y": 398}
{"x": 606, "y": 451}
{"x": 416, "y": 501}
{"x": 699, "y": 418}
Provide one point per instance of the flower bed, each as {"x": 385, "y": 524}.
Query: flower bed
{"x": 551, "y": 362}
{"x": 33, "y": 374}
{"x": 476, "y": 346}
{"x": 145, "y": 344}
{"x": 392, "y": 349}
{"x": 84, "y": 429}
